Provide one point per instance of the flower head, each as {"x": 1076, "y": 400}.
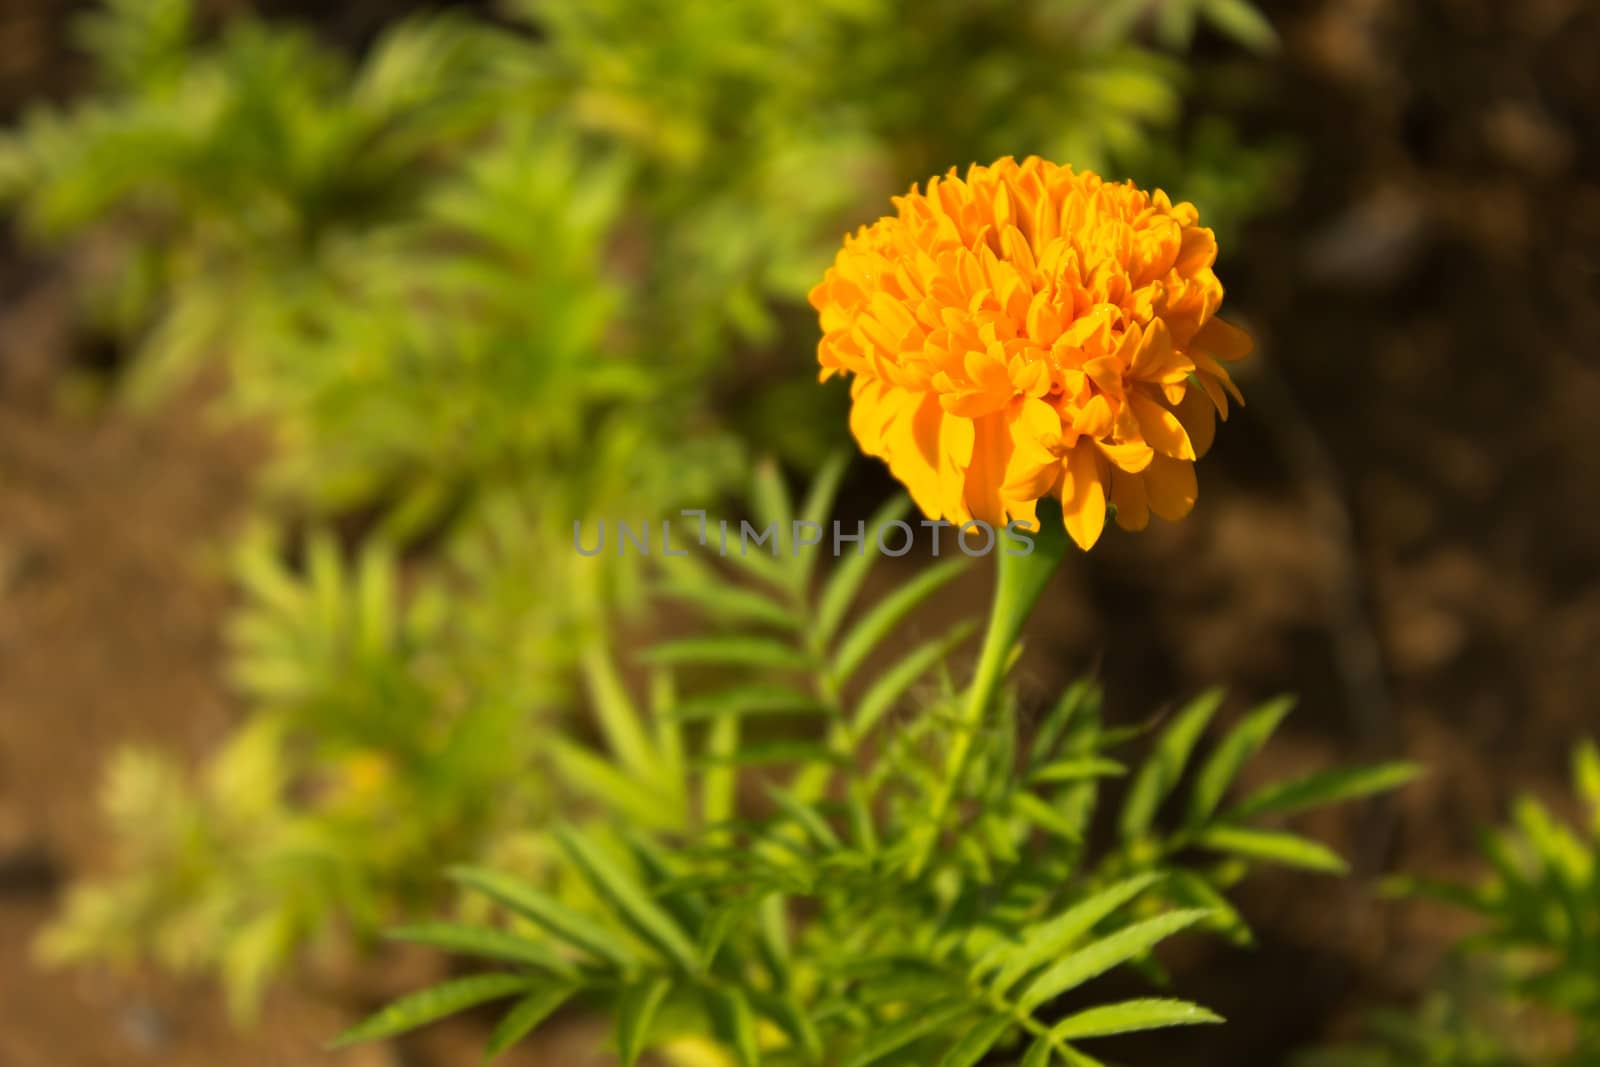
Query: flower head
{"x": 1031, "y": 331}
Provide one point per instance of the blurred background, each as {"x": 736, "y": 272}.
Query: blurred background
{"x": 319, "y": 323}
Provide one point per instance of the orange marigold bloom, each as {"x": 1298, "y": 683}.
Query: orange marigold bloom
{"x": 1030, "y": 331}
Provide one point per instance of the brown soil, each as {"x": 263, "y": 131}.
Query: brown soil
{"x": 1398, "y": 528}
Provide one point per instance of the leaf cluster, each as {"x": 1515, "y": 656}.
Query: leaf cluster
{"x": 1524, "y": 990}
{"x": 748, "y": 874}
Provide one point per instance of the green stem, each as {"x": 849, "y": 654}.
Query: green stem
{"x": 1019, "y": 582}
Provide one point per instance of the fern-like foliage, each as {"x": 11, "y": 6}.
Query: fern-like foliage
{"x": 1525, "y": 990}
{"x": 371, "y": 750}
{"x": 749, "y": 877}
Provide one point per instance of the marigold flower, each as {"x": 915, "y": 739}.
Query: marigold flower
{"x": 1028, "y": 331}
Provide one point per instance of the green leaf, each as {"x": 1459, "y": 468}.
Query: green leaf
{"x": 619, "y": 720}
{"x": 1328, "y": 787}
{"x": 719, "y": 785}
{"x": 1586, "y": 775}
{"x": 758, "y": 699}
{"x": 771, "y": 497}
{"x": 1243, "y": 742}
{"x": 1131, "y": 1016}
{"x": 773, "y": 753}
{"x": 845, "y": 582}
{"x": 1242, "y": 22}
{"x": 1040, "y": 814}
{"x": 730, "y": 651}
{"x": 893, "y": 683}
{"x": 887, "y": 614}
{"x": 524, "y": 1017}
{"x": 976, "y": 1042}
{"x": 482, "y": 941}
{"x": 795, "y": 1018}
{"x": 1043, "y": 941}
{"x": 1038, "y": 1054}
{"x": 1076, "y": 769}
{"x": 432, "y": 1004}
{"x": 729, "y": 603}
{"x": 1272, "y": 846}
{"x": 1079, "y": 702}
{"x": 735, "y": 1023}
{"x": 604, "y": 781}
{"x": 636, "y": 1011}
{"x": 920, "y": 1022}
{"x": 575, "y": 929}
{"x": 1195, "y": 890}
{"x": 632, "y": 903}
{"x": 824, "y": 489}
{"x": 1160, "y": 773}
{"x": 808, "y": 818}
{"x": 1099, "y": 957}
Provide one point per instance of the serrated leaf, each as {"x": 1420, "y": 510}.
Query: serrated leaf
{"x": 976, "y": 1042}
{"x": 1099, "y": 957}
{"x": 619, "y": 889}
{"x": 434, "y": 1003}
{"x": 482, "y": 941}
{"x": 1160, "y": 773}
{"x": 524, "y": 1017}
{"x": 636, "y": 1011}
{"x": 562, "y": 922}
{"x": 1042, "y": 941}
{"x": 923, "y": 1021}
{"x": 888, "y": 613}
{"x": 729, "y": 651}
{"x": 1272, "y": 846}
{"x": 1327, "y": 787}
{"x": 845, "y": 582}
{"x": 1242, "y": 743}
{"x": 1131, "y": 1016}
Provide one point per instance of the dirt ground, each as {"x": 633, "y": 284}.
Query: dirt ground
{"x": 1399, "y": 528}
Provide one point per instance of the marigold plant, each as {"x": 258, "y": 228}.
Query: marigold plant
{"x": 1033, "y": 331}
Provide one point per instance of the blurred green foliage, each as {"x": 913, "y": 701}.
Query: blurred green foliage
{"x": 481, "y": 280}
{"x": 1524, "y": 991}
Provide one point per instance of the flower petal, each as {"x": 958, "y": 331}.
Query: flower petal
{"x": 1171, "y": 487}
{"x": 1132, "y": 503}
{"x": 1130, "y": 456}
{"x": 1160, "y": 427}
{"x": 1223, "y": 340}
{"x": 1199, "y": 418}
{"x": 986, "y": 475}
{"x": 1083, "y": 496}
